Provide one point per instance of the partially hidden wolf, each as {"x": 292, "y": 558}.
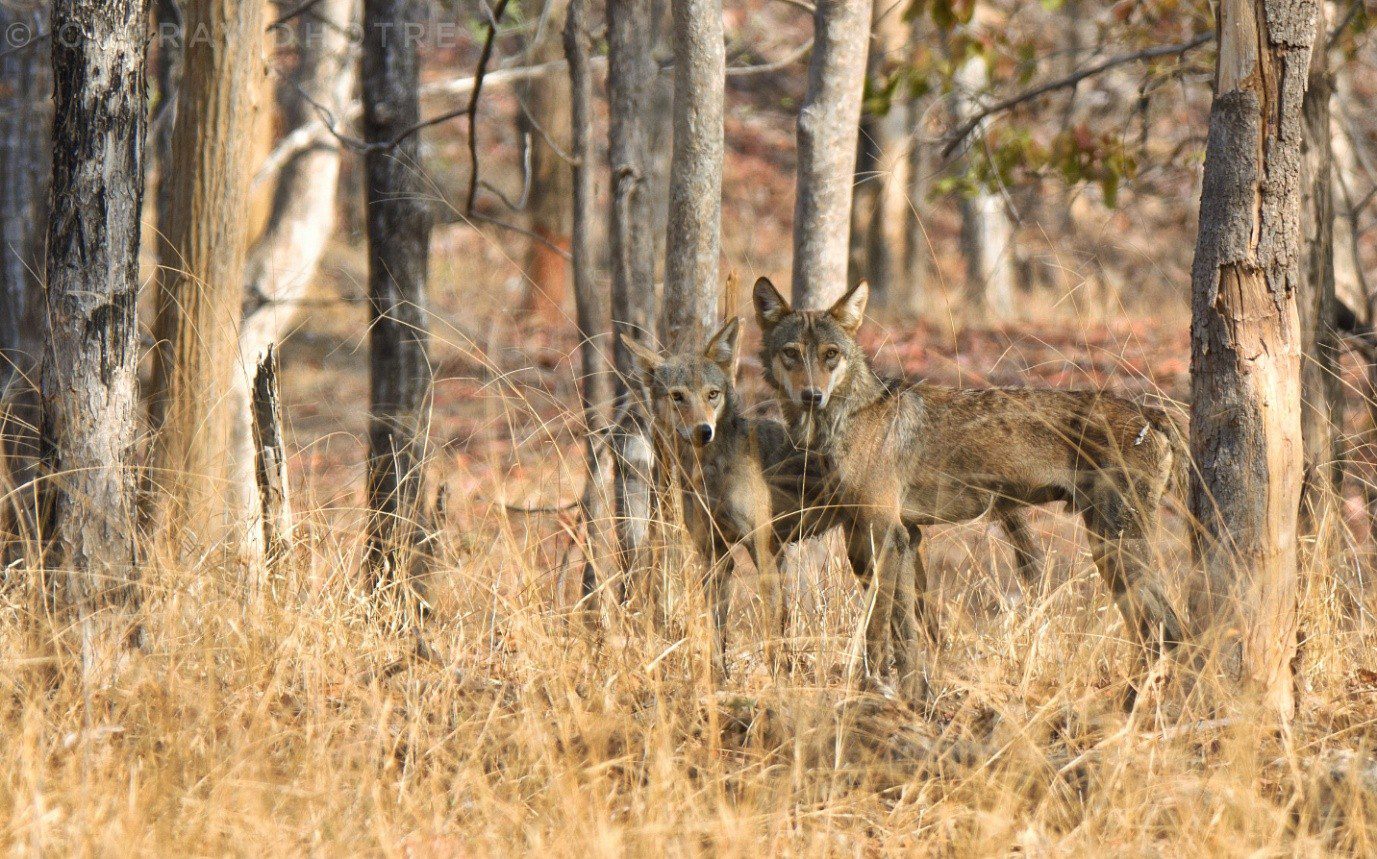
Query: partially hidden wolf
{"x": 728, "y": 474}
{"x": 899, "y": 458}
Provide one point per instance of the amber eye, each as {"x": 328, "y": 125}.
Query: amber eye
{"x": 713, "y": 396}
{"x": 791, "y": 354}
{"x": 831, "y": 354}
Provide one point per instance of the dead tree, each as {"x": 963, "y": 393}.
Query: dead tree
{"x": 545, "y": 123}
{"x": 270, "y": 459}
{"x": 693, "y": 239}
{"x": 89, "y": 396}
{"x": 202, "y": 252}
{"x": 25, "y": 156}
{"x": 399, "y": 226}
{"x": 827, "y": 124}
{"x": 285, "y": 258}
{"x": 592, "y": 308}
{"x": 987, "y": 234}
{"x": 1321, "y": 385}
{"x": 1246, "y": 343}
{"x": 630, "y": 73}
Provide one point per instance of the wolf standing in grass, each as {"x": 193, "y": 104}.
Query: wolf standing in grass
{"x": 899, "y": 459}
{"x": 727, "y": 468}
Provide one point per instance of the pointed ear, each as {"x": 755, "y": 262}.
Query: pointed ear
{"x": 646, "y": 361}
{"x": 724, "y": 349}
{"x": 770, "y": 306}
{"x": 849, "y": 311}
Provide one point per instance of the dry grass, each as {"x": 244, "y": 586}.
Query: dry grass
{"x": 301, "y": 723}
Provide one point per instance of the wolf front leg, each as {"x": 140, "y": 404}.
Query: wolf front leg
{"x": 876, "y": 554}
{"x": 764, "y": 552}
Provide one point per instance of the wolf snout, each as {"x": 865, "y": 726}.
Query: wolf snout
{"x": 812, "y": 397}
{"x": 703, "y": 433}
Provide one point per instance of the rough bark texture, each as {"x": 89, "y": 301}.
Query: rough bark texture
{"x": 987, "y": 234}
{"x": 89, "y": 396}
{"x": 270, "y": 461}
{"x": 693, "y": 238}
{"x": 202, "y": 254}
{"x": 596, "y": 390}
{"x": 286, "y": 258}
{"x": 827, "y": 124}
{"x": 1245, "y": 342}
{"x": 630, "y": 72}
{"x": 25, "y": 156}
{"x": 1321, "y": 385}
{"x": 399, "y": 225}
{"x": 544, "y": 120}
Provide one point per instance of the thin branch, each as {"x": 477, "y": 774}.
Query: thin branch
{"x": 288, "y": 17}
{"x": 472, "y": 111}
{"x": 964, "y": 130}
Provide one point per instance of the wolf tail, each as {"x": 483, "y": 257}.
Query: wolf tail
{"x": 1171, "y": 425}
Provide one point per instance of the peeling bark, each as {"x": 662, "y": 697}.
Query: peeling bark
{"x": 89, "y": 395}
{"x": 1246, "y": 343}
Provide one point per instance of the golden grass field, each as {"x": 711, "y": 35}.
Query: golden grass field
{"x": 296, "y": 722}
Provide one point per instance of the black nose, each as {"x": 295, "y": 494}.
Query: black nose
{"x": 811, "y": 397}
{"x": 704, "y": 433}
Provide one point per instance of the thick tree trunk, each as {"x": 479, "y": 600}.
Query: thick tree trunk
{"x": 545, "y": 120}
{"x": 987, "y": 235}
{"x": 399, "y": 225}
{"x": 89, "y": 397}
{"x": 286, "y": 258}
{"x": 693, "y": 241}
{"x": 1321, "y": 384}
{"x": 630, "y": 73}
{"x": 827, "y": 124}
{"x": 1245, "y": 333}
{"x": 596, "y": 390}
{"x": 202, "y": 255}
{"x": 25, "y": 155}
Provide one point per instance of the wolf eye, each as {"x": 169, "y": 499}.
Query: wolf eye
{"x": 713, "y": 395}
{"x": 791, "y": 354}
{"x": 677, "y": 396}
{"x": 831, "y": 354}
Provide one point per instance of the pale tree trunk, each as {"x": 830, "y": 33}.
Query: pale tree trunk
{"x": 399, "y": 226}
{"x": 827, "y": 124}
{"x": 693, "y": 241}
{"x": 89, "y": 397}
{"x": 630, "y": 74}
{"x": 1349, "y": 282}
{"x": 25, "y": 154}
{"x": 987, "y": 234}
{"x": 910, "y": 294}
{"x": 1245, "y": 350}
{"x": 592, "y": 308}
{"x": 1321, "y": 385}
{"x": 879, "y": 223}
{"x": 545, "y": 120}
{"x": 202, "y": 257}
{"x": 286, "y": 258}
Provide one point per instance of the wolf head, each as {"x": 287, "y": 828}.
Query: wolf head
{"x": 690, "y": 394}
{"x": 809, "y": 354}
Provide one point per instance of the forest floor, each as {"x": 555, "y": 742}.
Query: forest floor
{"x": 297, "y": 723}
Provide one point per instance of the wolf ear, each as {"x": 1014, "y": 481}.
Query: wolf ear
{"x": 770, "y": 306}
{"x": 646, "y": 361}
{"x": 724, "y": 349}
{"x": 849, "y": 311}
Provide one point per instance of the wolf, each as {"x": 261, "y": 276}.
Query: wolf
{"x": 897, "y": 458}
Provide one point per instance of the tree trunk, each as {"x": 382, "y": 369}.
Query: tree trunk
{"x": 202, "y": 256}
{"x": 1245, "y": 342}
{"x": 286, "y": 258}
{"x": 827, "y": 124}
{"x": 399, "y": 224}
{"x": 25, "y": 155}
{"x": 693, "y": 240}
{"x": 630, "y": 73}
{"x": 1321, "y": 384}
{"x": 592, "y": 309}
{"x": 89, "y": 396}
{"x": 987, "y": 235}
{"x": 270, "y": 459}
{"x": 545, "y": 119}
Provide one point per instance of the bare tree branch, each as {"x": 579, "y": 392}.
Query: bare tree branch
{"x": 472, "y": 110}
{"x": 954, "y": 139}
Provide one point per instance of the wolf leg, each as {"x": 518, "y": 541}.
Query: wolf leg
{"x": 905, "y": 629}
{"x": 765, "y": 553}
{"x": 1121, "y": 549}
{"x": 871, "y": 549}
{"x": 1013, "y": 520}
